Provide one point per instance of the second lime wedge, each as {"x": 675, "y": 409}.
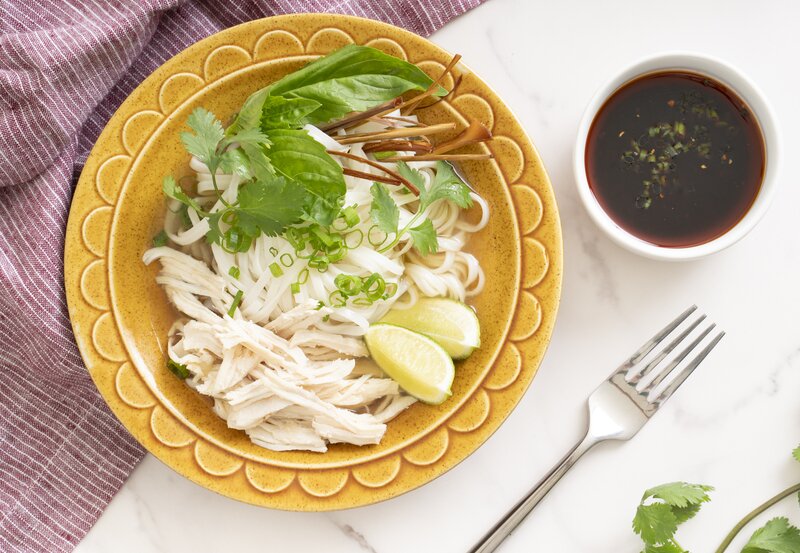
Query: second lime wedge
{"x": 451, "y": 324}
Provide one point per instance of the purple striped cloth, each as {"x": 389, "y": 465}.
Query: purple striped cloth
{"x": 65, "y": 66}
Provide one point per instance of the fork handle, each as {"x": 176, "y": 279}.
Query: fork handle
{"x": 494, "y": 537}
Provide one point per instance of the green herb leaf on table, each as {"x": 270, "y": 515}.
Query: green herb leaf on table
{"x": 776, "y": 536}
{"x": 424, "y": 237}
{"x": 353, "y": 78}
{"x": 796, "y": 453}
{"x": 269, "y": 206}
{"x": 655, "y": 523}
{"x": 384, "y": 211}
{"x": 669, "y": 547}
{"x": 662, "y": 509}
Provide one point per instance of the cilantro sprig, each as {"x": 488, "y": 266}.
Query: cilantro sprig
{"x": 662, "y": 509}
{"x": 446, "y": 185}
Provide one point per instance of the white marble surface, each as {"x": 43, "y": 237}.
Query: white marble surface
{"x": 732, "y": 425}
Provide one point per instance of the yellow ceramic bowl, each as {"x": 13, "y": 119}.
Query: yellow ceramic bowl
{"x": 120, "y": 316}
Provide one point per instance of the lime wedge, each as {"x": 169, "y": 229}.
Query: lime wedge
{"x": 449, "y": 323}
{"x": 419, "y": 365}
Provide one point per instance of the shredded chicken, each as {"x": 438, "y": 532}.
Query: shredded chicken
{"x": 299, "y": 393}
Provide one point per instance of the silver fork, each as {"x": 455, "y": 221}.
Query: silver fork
{"x": 618, "y": 409}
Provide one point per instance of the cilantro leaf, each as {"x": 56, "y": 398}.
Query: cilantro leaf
{"x": 208, "y": 134}
{"x": 269, "y": 206}
{"x": 668, "y": 547}
{"x": 655, "y": 523}
{"x": 235, "y": 162}
{"x": 680, "y": 494}
{"x": 796, "y": 453}
{"x": 662, "y": 509}
{"x": 383, "y": 210}
{"x": 446, "y": 185}
{"x": 411, "y": 175}
{"x": 173, "y": 191}
{"x": 776, "y": 536}
{"x": 424, "y": 236}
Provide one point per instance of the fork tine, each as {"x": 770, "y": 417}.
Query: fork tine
{"x": 639, "y": 354}
{"x": 689, "y": 369}
{"x": 684, "y": 373}
{"x": 635, "y": 376}
{"x": 675, "y": 362}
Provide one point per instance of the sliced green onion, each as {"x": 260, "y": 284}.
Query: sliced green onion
{"x": 178, "y": 369}
{"x": 273, "y": 251}
{"x": 374, "y": 286}
{"x": 234, "y": 241}
{"x": 351, "y": 216}
{"x": 229, "y": 217}
{"x": 319, "y": 306}
{"x": 376, "y": 241}
{"x": 336, "y": 253}
{"x": 383, "y": 155}
{"x": 391, "y": 290}
{"x": 349, "y": 285}
{"x": 287, "y": 260}
{"x": 295, "y": 288}
{"x": 295, "y": 237}
{"x": 276, "y": 270}
{"x": 234, "y": 271}
{"x": 322, "y": 234}
{"x": 361, "y": 301}
{"x": 326, "y": 318}
{"x": 353, "y": 239}
{"x": 302, "y": 278}
{"x": 337, "y": 299}
{"x": 160, "y": 239}
{"x": 237, "y": 299}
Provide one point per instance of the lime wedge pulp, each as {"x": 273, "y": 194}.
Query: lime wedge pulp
{"x": 418, "y": 364}
{"x": 451, "y": 324}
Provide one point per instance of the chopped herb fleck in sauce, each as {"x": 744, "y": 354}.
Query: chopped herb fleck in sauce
{"x": 675, "y": 158}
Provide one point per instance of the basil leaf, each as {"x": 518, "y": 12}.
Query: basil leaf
{"x": 249, "y": 117}
{"x": 297, "y": 156}
{"x": 353, "y": 78}
{"x": 286, "y": 113}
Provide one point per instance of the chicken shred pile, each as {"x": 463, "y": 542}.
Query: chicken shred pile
{"x": 289, "y": 385}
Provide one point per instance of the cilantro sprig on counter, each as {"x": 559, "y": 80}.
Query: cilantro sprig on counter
{"x": 663, "y": 508}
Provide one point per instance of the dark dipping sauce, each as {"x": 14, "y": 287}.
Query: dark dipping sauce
{"x": 675, "y": 158}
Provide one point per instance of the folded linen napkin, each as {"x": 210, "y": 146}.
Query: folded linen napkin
{"x": 65, "y": 66}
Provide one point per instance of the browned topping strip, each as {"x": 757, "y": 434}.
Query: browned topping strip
{"x": 444, "y": 157}
{"x": 394, "y": 133}
{"x": 395, "y": 178}
{"x": 475, "y": 132}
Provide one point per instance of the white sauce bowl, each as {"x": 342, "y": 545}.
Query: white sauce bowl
{"x": 738, "y": 83}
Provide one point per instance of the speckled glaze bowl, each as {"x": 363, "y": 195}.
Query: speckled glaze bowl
{"x": 121, "y": 317}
